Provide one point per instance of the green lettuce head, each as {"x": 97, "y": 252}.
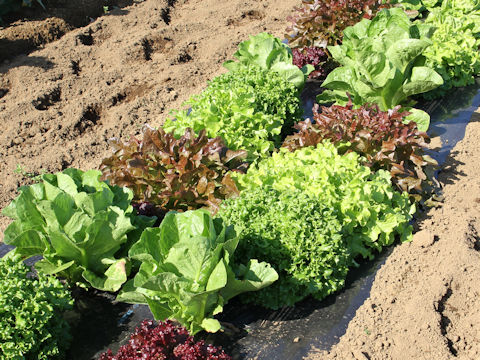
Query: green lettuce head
{"x": 187, "y": 273}
{"x": 79, "y": 224}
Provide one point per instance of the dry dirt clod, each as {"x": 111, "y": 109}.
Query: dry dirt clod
{"x": 423, "y": 238}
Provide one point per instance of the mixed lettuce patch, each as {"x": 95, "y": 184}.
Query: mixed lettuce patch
{"x": 341, "y": 188}
{"x": 382, "y": 138}
{"x": 310, "y": 213}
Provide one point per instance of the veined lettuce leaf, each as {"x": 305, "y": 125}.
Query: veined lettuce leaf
{"x": 186, "y": 271}
{"x": 382, "y": 64}
{"x": 79, "y": 224}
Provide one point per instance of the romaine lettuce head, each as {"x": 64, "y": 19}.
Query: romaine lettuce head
{"x": 382, "y": 63}
{"x": 78, "y": 224}
{"x": 186, "y": 271}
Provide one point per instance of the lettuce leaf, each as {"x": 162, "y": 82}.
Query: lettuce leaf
{"x": 79, "y": 224}
{"x": 310, "y": 213}
{"x": 186, "y": 271}
{"x": 269, "y": 53}
{"x": 382, "y": 64}
{"x": 248, "y": 108}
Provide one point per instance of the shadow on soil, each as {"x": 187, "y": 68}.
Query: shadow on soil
{"x": 76, "y": 13}
{"x": 26, "y": 30}
{"x": 24, "y": 60}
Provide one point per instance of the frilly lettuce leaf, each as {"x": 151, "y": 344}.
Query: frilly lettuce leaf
{"x": 310, "y": 213}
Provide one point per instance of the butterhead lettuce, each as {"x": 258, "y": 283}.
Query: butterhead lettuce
{"x": 186, "y": 270}
{"x": 79, "y": 224}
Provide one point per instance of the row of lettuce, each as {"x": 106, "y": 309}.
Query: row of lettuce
{"x": 445, "y": 36}
{"x": 236, "y": 194}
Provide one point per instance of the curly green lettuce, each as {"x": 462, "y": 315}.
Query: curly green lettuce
{"x": 310, "y": 213}
{"x": 32, "y": 325}
{"x": 247, "y": 108}
{"x": 298, "y": 234}
{"x": 454, "y": 51}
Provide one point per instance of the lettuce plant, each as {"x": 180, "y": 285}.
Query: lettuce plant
{"x": 31, "y": 313}
{"x": 186, "y": 272}
{"x": 269, "y": 53}
{"x": 454, "y": 52}
{"x": 315, "y": 56}
{"x": 174, "y": 174}
{"x": 273, "y": 94}
{"x": 422, "y": 6}
{"x": 416, "y": 8}
{"x": 299, "y": 234}
{"x": 381, "y": 63}
{"x": 466, "y": 6}
{"x": 247, "y": 108}
{"x": 310, "y": 213}
{"x": 164, "y": 341}
{"x": 382, "y": 139}
{"x": 321, "y": 22}
{"x": 79, "y": 225}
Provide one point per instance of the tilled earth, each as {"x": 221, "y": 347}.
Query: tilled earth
{"x": 60, "y": 105}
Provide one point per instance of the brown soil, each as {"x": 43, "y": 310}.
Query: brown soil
{"x": 33, "y": 27}
{"x": 59, "y": 106}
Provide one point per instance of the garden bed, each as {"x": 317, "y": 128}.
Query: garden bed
{"x": 251, "y": 332}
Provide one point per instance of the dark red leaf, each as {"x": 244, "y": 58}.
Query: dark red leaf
{"x": 321, "y": 22}
{"x": 165, "y": 341}
{"x": 174, "y": 174}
